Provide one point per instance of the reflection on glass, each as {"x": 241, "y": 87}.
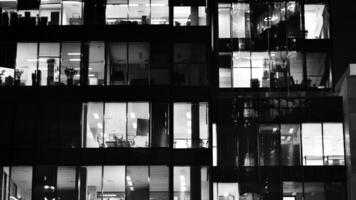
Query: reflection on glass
{"x": 72, "y": 12}
{"x": 240, "y": 15}
{"x": 90, "y": 178}
{"x": 333, "y": 139}
{"x": 113, "y": 182}
{"x": 226, "y": 191}
{"x": 269, "y": 142}
{"x": 292, "y": 191}
{"x": 314, "y": 191}
{"x": 312, "y": 144}
{"x": 190, "y": 125}
{"x": 137, "y": 182}
{"x": 318, "y": 70}
{"x": 96, "y": 70}
{"x": 21, "y": 183}
{"x": 44, "y": 182}
{"x": 190, "y": 16}
{"x": 181, "y": 182}
{"x": 189, "y": 64}
{"x": 66, "y": 183}
{"x": 138, "y": 124}
{"x": 290, "y": 144}
{"x": 159, "y": 182}
{"x": 316, "y": 19}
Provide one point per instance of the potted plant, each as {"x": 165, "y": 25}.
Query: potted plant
{"x": 1, "y": 75}
{"x": 70, "y": 72}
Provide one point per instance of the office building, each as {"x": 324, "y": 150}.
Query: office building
{"x": 169, "y": 100}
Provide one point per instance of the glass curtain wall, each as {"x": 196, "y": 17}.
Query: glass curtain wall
{"x": 263, "y": 45}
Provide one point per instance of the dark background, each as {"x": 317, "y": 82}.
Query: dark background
{"x": 343, "y": 29}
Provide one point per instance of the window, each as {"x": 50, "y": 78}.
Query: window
{"x": 72, "y": 12}
{"x": 292, "y": 191}
{"x": 234, "y": 20}
{"x": 290, "y": 144}
{"x": 190, "y": 182}
{"x": 125, "y": 125}
{"x": 312, "y": 144}
{"x": 318, "y": 70}
{"x": 224, "y": 22}
{"x": 190, "y": 125}
{"x": 66, "y": 182}
{"x": 159, "y": 182}
{"x": 314, "y": 191}
{"x": 21, "y": 183}
{"x": 226, "y": 191}
{"x": 137, "y": 182}
{"x": 26, "y": 64}
{"x": 333, "y": 139}
{"x": 114, "y": 182}
{"x": 7, "y": 63}
{"x": 317, "y": 25}
{"x": 116, "y": 12}
{"x": 70, "y": 63}
{"x": 44, "y": 182}
{"x": 189, "y": 64}
{"x": 96, "y": 66}
{"x": 190, "y": 16}
{"x": 50, "y": 13}
{"x": 159, "y": 12}
{"x": 269, "y": 142}
{"x": 48, "y": 64}
{"x": 90, "y": 178}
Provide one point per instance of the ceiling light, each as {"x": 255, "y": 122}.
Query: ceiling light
{"x": 188, "y": 115}
{"x": 96, "y": 115}
{"x": 134, "y": 125}
{"x": 73, "y": 54}
{"x": 100, "y": 125}
{"x": 132, "y": 188}
{"x": 291, "y": 130}
{"x": 189, "y": 123}
{"x": 283, "y": 137}
{"x": 128, "y": 178}
{"x": 274, "y": 129}
{"x": 182, "y": 178}
{"x": 182, "y": 189}
{"x": 133, "y": 115}
{"x": 226, "y": 194}
{"x": 74, "y": 59}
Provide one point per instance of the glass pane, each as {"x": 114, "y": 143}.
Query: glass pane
{"x": 314, "y": 191}
{"x": 96, "y": 69}
{"x": 138, "y": 124}
{"x": 21, "y": 183}
{"x": 227, "y": 191}
{"x": 290, "y": 144}
{"x": 114, "y": 182}
{"x": 117, "y": 64}
{"x": 181, "y": 183}
{"x": 224, "y": 20}
{"x": 50, "y": 13}
{"x": 203, "y": 125}
{"x": 160, "y": 135}
{"x": 66, "y": 183}
{"x": 94, "y": 125}
{"x": 159, "y": 182}
{"x": 72, "y": 13}
{"x": 292, "y": 191}
{"x": 160, "y": 63}
{"x": 48, "y": 68}
{"x": 139, "y": 58}
{"x": 159, "y": 12}
{"x": 190, "y": 16}
{"x": 44, "y": 182}
{"x": 295, "y": 62}
{"x": 312, "y": 144}
{"x": 139, "y": 11}
{"x": 182, "y": 125}
{"x": 318, "y": 70}
{"x": 26, "y": 64}
{"x": 269, "y": 142}
{"x": 204, "y": 183}
{"x": 333, "y": 144}
{"x": 70, "y": 63}
{"x": 116, "y": 12}
{"x": 115, "y": 125}
{"x": 90, "y": 179}
{"x": 241, "y": 20}
{"x": 317, "y": 23}
{"x": 137, "y": 182}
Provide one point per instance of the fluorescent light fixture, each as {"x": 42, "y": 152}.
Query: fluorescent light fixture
{"x": 134, "y": 125}
{"x": 74, "y": 60}
{"x": 100, "y": 125}
{"x": 283, "y": 137}
{"x": 73, "y": 54}
{"x": 182, "y": 178}
{"x": 226, "y": 194}
{"x": 291, "y": 130}
{"x": 96, "y": 115}
{"x": 133, "y": 5}
{"x": 129, "y": 183}
{"x": 274, "y": 129}
{"x": 132, "y": 115}
{"x": 132, "y": 188}
{"x": 109, "y": 195}
{"x": 8, "y": 0}
{"x": 128, "y": 178}
{"x": 91, "y": 75}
